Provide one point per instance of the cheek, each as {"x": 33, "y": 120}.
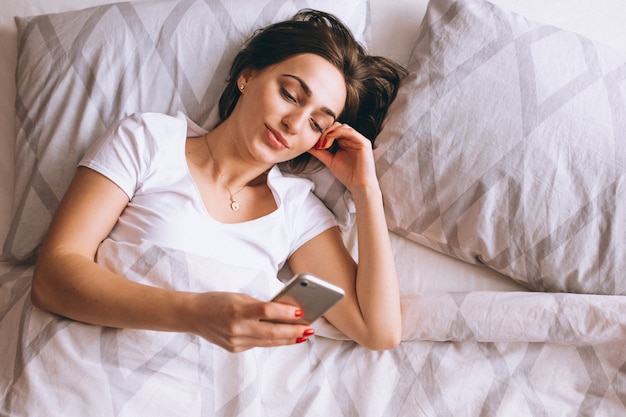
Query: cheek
{"x": 309, "y": 140}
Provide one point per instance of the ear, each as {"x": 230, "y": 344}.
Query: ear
{"x": 243, "y": 79}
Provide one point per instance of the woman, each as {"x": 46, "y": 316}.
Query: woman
{"x": 295, "y": 89}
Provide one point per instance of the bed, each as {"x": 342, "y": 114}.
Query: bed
{"x": 502, "y": 164}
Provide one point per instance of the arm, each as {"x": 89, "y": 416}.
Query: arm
{"x": 370, "y": 312}
{"x": 68, "y": 282}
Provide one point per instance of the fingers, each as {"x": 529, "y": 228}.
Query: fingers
{"x": 278, "y": 312}
{"x": 325, "y": 140}
{"x": 284, "y": 320}
{"x": 348, "y": 136}
{"x": 257, "y": 324}
{"x": 279, "y": 334}
{"x": 267, "y": 334}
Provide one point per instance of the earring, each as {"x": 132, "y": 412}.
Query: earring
{"x": 241, "y": 87}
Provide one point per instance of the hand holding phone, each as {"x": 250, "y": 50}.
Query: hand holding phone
{"x": 310, "y": 293}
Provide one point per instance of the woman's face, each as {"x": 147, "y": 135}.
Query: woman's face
{"x": 284, "y": 109}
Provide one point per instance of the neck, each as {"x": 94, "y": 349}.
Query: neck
{"x": 226, "y": 166}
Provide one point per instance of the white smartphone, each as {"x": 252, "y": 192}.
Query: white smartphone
{"x": 312, "y": 294}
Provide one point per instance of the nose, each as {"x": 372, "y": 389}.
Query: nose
{"x": 294, "y": 120}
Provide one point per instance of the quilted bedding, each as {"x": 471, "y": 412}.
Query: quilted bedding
{"x": 463, "y": 354}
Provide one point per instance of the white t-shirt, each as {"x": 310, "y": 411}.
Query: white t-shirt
{"x": 144, "y": 155}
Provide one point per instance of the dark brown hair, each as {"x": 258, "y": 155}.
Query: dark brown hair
{"x": 371, "y": 81}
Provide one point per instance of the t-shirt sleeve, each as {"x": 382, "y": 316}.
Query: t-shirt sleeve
{"x": 123, "y": 154}
{"x": 311, "y": 219}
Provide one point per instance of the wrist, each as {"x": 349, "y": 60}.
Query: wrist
{"x": 182, "y": 315}
{"x": 367, "y": 193}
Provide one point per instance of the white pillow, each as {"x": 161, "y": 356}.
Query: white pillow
{"x": 507, "y": 145}
{"x": 80, "y": 71}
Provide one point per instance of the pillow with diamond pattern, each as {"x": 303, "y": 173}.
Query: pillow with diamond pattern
{"x": 506, "y": 147}
{"x": 80, "y": 71}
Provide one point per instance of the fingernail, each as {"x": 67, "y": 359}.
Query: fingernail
{"x": 309, "y": 332}
{"x": 301, "y": 340}
{"x": 299, "y": 313}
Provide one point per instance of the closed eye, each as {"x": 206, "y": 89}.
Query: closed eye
{"x": 287, "y": 95}
{"x": 316, "y": 126}
{"x": 292, "y": 99}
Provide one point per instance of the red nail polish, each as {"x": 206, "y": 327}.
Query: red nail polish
{"x": 299, "y": 313}
{"x": 309, "y": 332}
{"x": 301, "y": 340}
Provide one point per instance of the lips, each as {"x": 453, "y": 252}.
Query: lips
{"x": 275, "y": 139}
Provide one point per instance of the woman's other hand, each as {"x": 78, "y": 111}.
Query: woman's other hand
{"x": 353, "y": 162}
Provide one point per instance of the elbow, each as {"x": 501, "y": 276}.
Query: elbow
{"x": 386, "y": 341}
{"x": 36, "y": 292}
{"x": 46, "y": 286}
{"x": 385, "y": 335}
{"x": 39, "y": 295}
{"x": 382, "y": 345}
{"x": 387, "y": 344}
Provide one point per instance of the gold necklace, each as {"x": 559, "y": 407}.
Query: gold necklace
{"x": 234, "y": 204}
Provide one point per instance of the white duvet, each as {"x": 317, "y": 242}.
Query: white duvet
{"x": 462, "y": 354}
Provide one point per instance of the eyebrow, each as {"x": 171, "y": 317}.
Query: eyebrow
{"x": 308, "y": 93}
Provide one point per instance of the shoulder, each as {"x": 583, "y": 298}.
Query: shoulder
{"x": 297, "y": 198}
{"x": 150, "y": 133}
{"x": 136, "y": 146}
{"x": 289, "y": 188}
{"x": 156, "y": 124}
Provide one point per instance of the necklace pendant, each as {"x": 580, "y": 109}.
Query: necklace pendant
{"x": 234, "y": 205}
